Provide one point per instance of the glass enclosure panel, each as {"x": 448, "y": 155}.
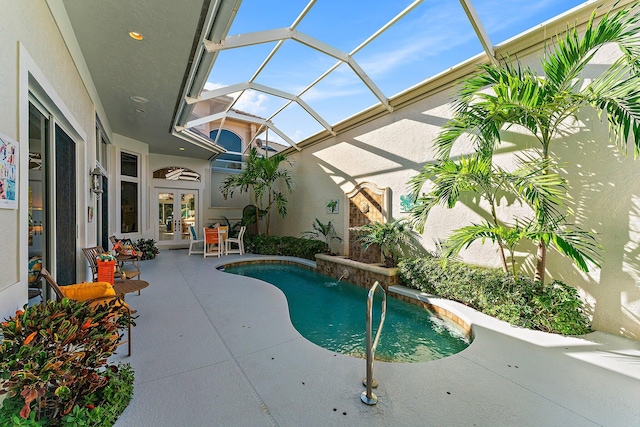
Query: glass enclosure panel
{"x": 128, "y": 164}
{"x": 129, "y": 207}
{"x": 165, "y": 216}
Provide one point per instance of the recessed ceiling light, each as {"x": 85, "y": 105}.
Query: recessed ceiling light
{"x": 139, "y": 110}
{"x": 135, "y": 36}
{"x": 181, "y": 148}
{"x": 140, "y": 99}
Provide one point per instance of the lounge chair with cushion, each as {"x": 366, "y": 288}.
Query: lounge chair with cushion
{"x": 91, "y": 293}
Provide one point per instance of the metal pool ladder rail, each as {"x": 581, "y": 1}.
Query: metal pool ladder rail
{"x": 368, "y": 396}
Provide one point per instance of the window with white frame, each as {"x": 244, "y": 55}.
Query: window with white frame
{"x": 102, "y": 145}
{"x": 129, "y": 192}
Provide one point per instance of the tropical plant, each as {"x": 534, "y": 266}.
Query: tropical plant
{"x": 325, "y": 232}
{"x": 147, "y": 248}
{"x": 553, "y": 307}
{"x": 544, "y": 193}
{"x": 283, "y": 246}
{"x": 507, "y": 93}
{"x": 54, "y": 358}
{"x": 259, "y": 178}
{"x": 396, "y": 239}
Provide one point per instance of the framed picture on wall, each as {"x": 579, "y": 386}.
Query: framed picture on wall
{"x": 8, "y": 172}
{"x": 332, "y": 206}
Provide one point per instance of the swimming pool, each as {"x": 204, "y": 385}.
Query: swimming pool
{"x": 332, "y": 315}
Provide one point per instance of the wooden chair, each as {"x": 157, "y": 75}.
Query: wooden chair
{"x": 194, "y": 241}
{"x": 127, "y": 262}
{"x": 113, "y": 295}
{"x": 213, "y": 241}
{"x": 92, "y": 253}
{"x": 235, "y": 240}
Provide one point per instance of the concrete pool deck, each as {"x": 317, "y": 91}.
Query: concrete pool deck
{"x": 211, "y": 348}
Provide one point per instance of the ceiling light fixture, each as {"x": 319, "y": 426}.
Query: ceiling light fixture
{"x": 139, "y": 110}
{"x": 140, "y": 99}
{"x": 135, "y": 36}
{"x": 181, "y": 148}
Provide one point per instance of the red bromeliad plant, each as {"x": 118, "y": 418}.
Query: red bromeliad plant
{"x": 54, "y": 354}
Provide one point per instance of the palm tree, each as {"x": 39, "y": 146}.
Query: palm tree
{"x": 450, "y": 179}
{"x": 326, "y": 232}
{"x": 544, "y": 193}
{"x": 506, "y": 94}
{"x": 259, "y": 177}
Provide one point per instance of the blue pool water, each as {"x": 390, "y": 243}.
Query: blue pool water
{"x": 332, "y": 314}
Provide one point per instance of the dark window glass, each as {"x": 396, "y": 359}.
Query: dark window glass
{"x": 128, "y": 164}
{"x": 229, "y": 140}
{"x": 129, "y": 207}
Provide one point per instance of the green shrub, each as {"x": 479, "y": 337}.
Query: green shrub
{"x": 148, "y": 248}
{"x": 54, "y": 365}
{"x": 285, "y": 246}
{"x": 553, "y": 307}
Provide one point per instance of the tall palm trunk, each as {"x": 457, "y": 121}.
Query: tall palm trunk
{"x": 541, "y": 254}
{"x": 269, "y": 215}
{"x": 502, "y": 256}
{"x": 541, "y": 261}
{"x": 255, "y": 202}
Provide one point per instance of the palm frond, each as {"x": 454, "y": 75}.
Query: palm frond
{"x": 571, "y": 53}
{"x": 580, "y": 246}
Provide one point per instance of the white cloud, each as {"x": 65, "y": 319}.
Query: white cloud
{"x": 253, "y": 102}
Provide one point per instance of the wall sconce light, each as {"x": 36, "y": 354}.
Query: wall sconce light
{"x": 96, "y": 181}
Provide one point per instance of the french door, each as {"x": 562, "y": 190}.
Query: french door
{"x": 176, "y": 212}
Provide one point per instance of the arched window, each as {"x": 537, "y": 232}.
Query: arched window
{"x": 231, "y": 142}
{"x": 176, "y": 173}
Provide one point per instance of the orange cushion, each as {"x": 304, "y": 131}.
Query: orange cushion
{"x": 86, "y": 291}
{"x": 91, "y": 290}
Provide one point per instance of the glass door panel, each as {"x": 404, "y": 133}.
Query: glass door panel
{"x": 187, "y": 213}
{"x": 165, "y": 220}
{"x": 176, "y": 212}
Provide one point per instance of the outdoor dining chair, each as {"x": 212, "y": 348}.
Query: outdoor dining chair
{"x": 194, "y": 241}
{"x": 214, "y": 241}
{"x": 237, "y": 241}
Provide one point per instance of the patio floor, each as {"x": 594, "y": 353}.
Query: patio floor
{"x": 211, "y": 348}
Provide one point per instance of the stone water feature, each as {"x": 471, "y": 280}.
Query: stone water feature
{"x": 367, "y": 203}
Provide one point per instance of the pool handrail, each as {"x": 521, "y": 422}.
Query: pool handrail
{"x": 368, "y": 396}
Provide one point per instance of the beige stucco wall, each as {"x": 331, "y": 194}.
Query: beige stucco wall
{"x": 30, "y": 43}
{"x": 389, "y": 150}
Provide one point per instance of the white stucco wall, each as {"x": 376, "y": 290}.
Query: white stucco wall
{"x": 389, "y": 150}
{"x": 32, "y": 48}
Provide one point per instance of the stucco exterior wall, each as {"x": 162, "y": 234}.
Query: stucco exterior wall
{"x": 27, "y": 29}
{"x": 389, "y": 150}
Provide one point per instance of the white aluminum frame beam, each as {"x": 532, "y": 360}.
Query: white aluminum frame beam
{"x": 250, "y": 39}
{"x": 476, "y": 23}
{"x": 280, "y": 35}
{"x": 238, "y": 87}
{"x": 234, "y": 115}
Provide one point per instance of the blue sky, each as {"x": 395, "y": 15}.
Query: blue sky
{"x": 434, "y": 36}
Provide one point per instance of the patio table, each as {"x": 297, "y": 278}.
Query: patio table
{"x": 128, "y": 286}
